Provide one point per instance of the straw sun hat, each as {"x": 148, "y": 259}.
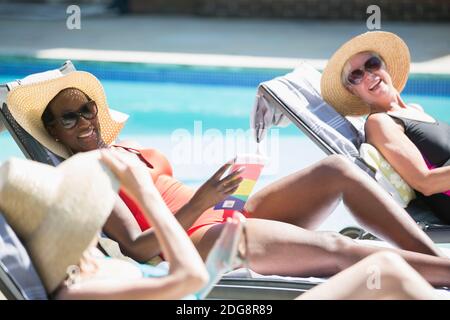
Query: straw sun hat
{"x": 28, "y": 102}
{"x": 57, "y": 212}
{"x": 392, "y": 50}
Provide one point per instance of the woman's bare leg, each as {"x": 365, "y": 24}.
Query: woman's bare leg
{"x": 382, "y": 275}
{"x": 279, "y": 248}
{"x": 309, "y": 196}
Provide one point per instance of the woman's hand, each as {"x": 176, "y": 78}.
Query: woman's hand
{"x": 216, "y": 189}
{"x": 133, "y": 175}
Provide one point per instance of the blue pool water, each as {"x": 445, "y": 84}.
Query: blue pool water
{"x": 157, "y": 109}
{"x": 161, "y": 108}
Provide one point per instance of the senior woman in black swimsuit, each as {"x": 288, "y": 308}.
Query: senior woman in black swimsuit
{"x": 365, "y": 77}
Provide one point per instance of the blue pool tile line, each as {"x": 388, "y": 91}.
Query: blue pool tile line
{"x": 430, "y": 85}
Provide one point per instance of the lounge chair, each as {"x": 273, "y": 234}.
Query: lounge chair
{"x": 295, "y": 98}
{"x": 18, "y": 278}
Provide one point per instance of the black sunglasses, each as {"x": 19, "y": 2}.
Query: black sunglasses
{"x": 372, "y": 64}
{"x": 88, "y": 111}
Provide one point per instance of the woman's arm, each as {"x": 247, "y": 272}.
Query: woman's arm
{"x": 185, "y": 263}
{"x": 213, "y": 191}
{"x": 403, "y": 155}
{"x": 171, "y": 287}
{"x": 142, "y": 246}
{"x": 123, "y": 228}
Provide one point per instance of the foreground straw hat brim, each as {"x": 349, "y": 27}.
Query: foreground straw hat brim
{"x": 57, "y": 212}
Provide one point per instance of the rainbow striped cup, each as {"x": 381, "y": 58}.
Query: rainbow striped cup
{"x": 252, "y": 165}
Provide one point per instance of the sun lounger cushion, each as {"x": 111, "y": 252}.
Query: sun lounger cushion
{"x": 300, "y": 91}
{"x": 16, "y": 262}
{"x": 245, "y": 273}
{"x": 386, "y": 176}
{"x": 42, "y": 76}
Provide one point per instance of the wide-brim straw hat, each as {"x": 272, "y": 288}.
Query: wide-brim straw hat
{"x": 57, "y": 212}
{"x": 392, "y": 50}
{"x": 27, "y": 103}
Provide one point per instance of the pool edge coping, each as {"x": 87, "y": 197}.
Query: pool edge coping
{"x": 440, "y": 66}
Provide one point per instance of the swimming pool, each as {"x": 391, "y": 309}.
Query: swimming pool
{"x": 162, "y": 99}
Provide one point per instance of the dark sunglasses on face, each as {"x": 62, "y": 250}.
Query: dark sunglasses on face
{"x": 88, "y": 111}
{"x": 372, "y": 64}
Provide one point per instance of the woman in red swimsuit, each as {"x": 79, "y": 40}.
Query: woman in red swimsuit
{"x": 279, "y": 241}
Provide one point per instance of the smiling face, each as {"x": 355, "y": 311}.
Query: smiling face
{"x": 85, "y": 135}
{"x": 375, "y": 88}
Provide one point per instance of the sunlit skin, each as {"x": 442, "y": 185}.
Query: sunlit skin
{"x": 85, "y": 136}
{"x": 376, "y": 89}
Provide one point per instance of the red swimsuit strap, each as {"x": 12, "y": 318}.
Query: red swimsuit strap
{"x": 153, "y": 159}
{"x": 139, "y": 153}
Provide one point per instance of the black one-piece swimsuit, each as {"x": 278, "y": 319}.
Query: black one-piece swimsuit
{"x": 433, "y": 141}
